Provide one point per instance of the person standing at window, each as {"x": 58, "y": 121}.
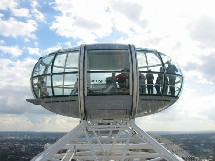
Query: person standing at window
{"x": 171, "y": 71}
{"x": 142, "y": 83}
{"x": 149, "y": 78}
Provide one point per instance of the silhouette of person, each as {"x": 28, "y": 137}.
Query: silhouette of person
{"x": 171, "y": 71}
{"x": 142, "y": 83}
{"x": 122, "y": 79}
{"x": 158, "y": 83}
{"x": 149, "y": 78}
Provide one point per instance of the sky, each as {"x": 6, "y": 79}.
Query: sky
{"x": 183, "y": 30}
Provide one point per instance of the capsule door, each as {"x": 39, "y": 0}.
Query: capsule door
{"x": 108, "y": 82}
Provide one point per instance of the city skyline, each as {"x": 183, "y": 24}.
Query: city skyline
{"x": 184, "y": 30}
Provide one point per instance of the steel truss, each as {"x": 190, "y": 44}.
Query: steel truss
{"x": 117, "y": 140}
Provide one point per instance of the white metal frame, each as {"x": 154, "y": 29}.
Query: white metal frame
{"x": 116, "y": 140}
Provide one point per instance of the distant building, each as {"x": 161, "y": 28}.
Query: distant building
{"x": 175, "y": 149}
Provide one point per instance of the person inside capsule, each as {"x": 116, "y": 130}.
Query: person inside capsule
{"x": 122, "y": 79}
{"x": 42, "y": 87}
{"x": 150, "y": 84}
{"x": 110, "y": 84}
{"x": 171, "y": 71}
{"x": 142, "y": 83}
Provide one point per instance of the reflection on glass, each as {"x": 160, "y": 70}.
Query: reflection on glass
{"x": 148, "y": 60}
{"x": 72, "y": 62}
{"x": 108, "y": 72}
{"x": 65, "y": 84}
{"x": 66, "y": 62}
{"x": 108, "y": 60}
{"x": 170, "y": 66}
{"x": 43, "y": 66}
{"x": 153, "y": 62}
{"x": 59, "y": 63}
{"x": 65, "y": 69}
{"x": 41, "y": 86}
{"x": 108, "y": 83}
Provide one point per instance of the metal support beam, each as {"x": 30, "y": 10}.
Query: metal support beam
{"x": 119, "y": 140}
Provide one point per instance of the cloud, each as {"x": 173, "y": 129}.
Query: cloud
{"x": 75, "y": 23}
{"x": 8, "y": 4}
{"x": 87, "y": 25}
{"x": 12, "y": 50}
{"x": 35, "y": 122}
{"x": 14, "y": 28}
{"x": 52, "y": 49}
{"x": 208, "y": 67}
{"x": 63, "y": 6}
{"x": 131, "y": 11}
{"x": 39, "y": 16}
{"x": 2, "y": 41}
{"x": 21, "y": 12}
{"x": 34, "y": 4}
{"x": 205, "y": 69}
{"x": 93, "y": 23}
{"x": 202, "y": 31}
{"x": 16, "y": 20}
{"x": 16, "y": 73}
{"x": 15, "y": 87}
{"x": 34, "y": 51}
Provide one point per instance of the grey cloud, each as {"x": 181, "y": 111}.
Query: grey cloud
{"x": 191, "y": 67}
{"x": 155, "y": 41}
{"x": 131, "y": 10}
{"x": 13, "y": 101}
{"x": 84, "y": 23}
{"x": 207, "y": 68}
{"x": 203, "y": 31}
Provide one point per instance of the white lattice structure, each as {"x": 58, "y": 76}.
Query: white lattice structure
{"x": 106, "y": 141}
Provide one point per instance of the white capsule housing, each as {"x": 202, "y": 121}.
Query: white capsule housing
{"x": 106, "y": 82}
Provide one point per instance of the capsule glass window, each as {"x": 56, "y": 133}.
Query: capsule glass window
{"x": 43, "y": 66}
{"x": 108, "y": 72}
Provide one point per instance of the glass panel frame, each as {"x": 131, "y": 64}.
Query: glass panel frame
{"x": 43, "y": 66}
{"x": 167, "y": 81}
{"x": 148, "y": 61}
{"x": 109, "y": 76}
{"x": 42, "y": 86}
{"x": 65, "y": 84}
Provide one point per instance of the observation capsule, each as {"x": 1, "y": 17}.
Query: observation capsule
{"x": 106, "y": 82}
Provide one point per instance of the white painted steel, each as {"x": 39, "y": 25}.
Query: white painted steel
{"x": 135, "y": 73}
{"x": 81, "y": 82}
{"x": 121, "y": 141}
